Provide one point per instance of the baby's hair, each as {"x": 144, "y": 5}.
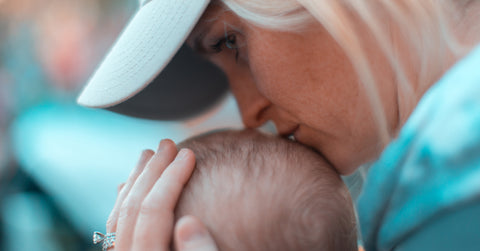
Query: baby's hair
{"x": 245, "y": 191}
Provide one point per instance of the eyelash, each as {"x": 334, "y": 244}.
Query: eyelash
{"x": 229, "y": 41}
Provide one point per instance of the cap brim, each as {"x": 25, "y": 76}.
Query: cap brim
{"x": 188, "y": 86}
{"x": 147, "y": 45}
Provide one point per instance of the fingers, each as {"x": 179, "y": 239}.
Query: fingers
{"x": 125, "y": 189}
{"x": 158, "y": 206}
{"x": 143, "y": 216}
{"x": 129, "y": 209}
{"x": 120, "y": 187}
{"x": 191, "y": 235}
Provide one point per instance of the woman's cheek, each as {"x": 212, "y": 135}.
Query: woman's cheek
{"x": 265, "y": 75}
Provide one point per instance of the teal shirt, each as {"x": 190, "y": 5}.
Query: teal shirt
{"x": 424, "y": 191}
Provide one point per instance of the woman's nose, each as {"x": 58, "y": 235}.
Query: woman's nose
{"x": 252, "y": 104}
{"x": 253, "y": 110}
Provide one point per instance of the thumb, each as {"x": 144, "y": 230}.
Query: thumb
{"x": 191, "y": 235}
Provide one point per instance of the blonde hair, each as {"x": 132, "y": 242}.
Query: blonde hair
{"x": 424, "y": 25}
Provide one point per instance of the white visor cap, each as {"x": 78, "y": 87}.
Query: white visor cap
{"x": 147, "y": 45}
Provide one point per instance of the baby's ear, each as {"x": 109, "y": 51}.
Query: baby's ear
{"x": 191, "y": 235}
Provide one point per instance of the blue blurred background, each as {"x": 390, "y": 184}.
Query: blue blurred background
{"x": 60, "y": 163}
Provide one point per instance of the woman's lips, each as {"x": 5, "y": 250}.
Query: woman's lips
{"x": 292, "y": 137}
{"x": 296, "y": 135}
{"x": 290, "y": 134}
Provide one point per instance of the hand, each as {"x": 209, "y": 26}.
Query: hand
{"x": 143, "y": 215}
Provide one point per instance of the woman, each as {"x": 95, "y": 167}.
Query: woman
{"x": 393, "y": 83}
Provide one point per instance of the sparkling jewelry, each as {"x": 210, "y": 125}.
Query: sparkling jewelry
{"x": 107, "y": 240}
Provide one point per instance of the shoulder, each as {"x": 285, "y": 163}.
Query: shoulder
{"x": 432, "y": 168}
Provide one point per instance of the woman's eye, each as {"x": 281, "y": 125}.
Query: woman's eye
{"x": 229, "y": 42}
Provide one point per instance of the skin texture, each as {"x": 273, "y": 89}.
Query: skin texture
{"x": 143, "y": 216}
{"x": 301, "y": 81}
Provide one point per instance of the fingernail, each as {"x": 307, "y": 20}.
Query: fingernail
{"x": 141, "y": 161}
{"x": 162, "y": 145}
{"x": 144, "y": 155}
{"x": 182, "y": 154}
{"x": 120, "y": 187}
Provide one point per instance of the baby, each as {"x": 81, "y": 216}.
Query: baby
{"x": 260, "y": 192}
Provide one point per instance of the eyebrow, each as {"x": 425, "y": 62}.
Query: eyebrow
{"x": 205, "y": 26}
{"x": 198, "y": 37}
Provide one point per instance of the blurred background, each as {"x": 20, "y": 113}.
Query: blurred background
{"x": 60, "y": 164}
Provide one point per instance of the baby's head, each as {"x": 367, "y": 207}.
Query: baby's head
{"x": 260, "y": 192}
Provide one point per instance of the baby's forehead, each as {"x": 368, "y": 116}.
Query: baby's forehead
{"x": 250, "y": 149}
{"x": 249, "y": 140}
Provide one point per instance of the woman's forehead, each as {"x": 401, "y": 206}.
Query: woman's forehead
{"x": 215, "y": 12}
